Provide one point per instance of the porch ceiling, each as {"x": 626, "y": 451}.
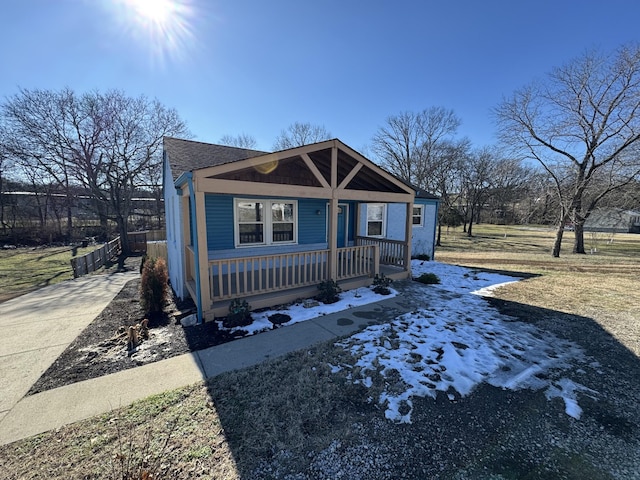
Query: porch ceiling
{"x": 312, "y": 168}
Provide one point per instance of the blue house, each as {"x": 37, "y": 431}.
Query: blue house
{"x": 269, "y": 227}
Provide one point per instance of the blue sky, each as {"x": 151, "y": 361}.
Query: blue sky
{"x": 256, "y": 66}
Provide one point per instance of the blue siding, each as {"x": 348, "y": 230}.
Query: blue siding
{"x": 220, "y": 228}
{"x": 311, "y": 226}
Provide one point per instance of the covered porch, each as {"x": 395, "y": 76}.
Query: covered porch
{"x": 329, "y": 172}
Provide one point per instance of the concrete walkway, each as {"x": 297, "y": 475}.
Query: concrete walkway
{"x": 51, "y": 409}
{"x": 37, "y": 327}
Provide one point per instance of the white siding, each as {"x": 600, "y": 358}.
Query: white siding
{"x": 422, "y": 239}
{"x": 175, "y": 242}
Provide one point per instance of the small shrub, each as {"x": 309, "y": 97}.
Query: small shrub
{"x": 239, "y": 314}
{"x": 423, "y": 257}
{"x": 279, "y": 318}
{"x": 329, "y": 290}
{"x": 428, "y": 279}
{"x": 141, "y": 455}
{"x": 154, "y": 284}
{"x": 381, "y": 284}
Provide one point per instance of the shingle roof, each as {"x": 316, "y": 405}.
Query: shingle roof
{"x": 188, "y": 155}
{"x": 426, "y": 195}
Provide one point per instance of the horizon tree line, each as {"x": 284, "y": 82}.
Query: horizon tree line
{"x": 569, "y": 143}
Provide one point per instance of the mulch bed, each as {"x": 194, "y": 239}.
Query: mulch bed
{"x": 101, "y": 348}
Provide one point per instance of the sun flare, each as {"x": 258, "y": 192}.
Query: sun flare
{"x": 164, "y": 27}
{"x": 156, "y": 11}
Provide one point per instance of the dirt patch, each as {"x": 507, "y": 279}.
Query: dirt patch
{"x": 102, "y": 349}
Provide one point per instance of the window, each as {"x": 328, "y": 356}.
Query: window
{"x": 265, "y": 222}
{"x": 418, "y": 216}
{"x": 376, "y": 219}
{"x": 250, "y": 223}
{"x": 282, "y": 222}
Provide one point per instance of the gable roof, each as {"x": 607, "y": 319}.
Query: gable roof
{"x": 188, "y": 155}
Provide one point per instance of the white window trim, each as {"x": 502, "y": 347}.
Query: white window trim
{"x": 421, "y": 224}
{"x": 384, "y": 220}
{"x": 267, "y": 222}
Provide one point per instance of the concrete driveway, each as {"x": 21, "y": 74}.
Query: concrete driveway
{"x": 36, "y": 328}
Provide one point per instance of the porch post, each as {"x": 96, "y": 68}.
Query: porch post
{"x": 408, "y": 234}
{"x": 333, "y": 239}
{"x": 333, "y": 217}
{"x": 203, "y": 251}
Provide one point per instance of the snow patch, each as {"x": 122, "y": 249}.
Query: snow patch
{"x": 457, "y": 342}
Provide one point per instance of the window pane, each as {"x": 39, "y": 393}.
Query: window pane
{"x": 283, "y": 232}
{"x": 374, "y": 212}
{"x": 374, "y": 228}
{"x": 250, "y": 212}
{"x": 417, "y": 221}
{"x": 251, "y": 233}
{"x": 282, "y": 212}
{"x": 417, "y": 211}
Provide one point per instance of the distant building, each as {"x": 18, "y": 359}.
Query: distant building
{"x": 613, "y": 220}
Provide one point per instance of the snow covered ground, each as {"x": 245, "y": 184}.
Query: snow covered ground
{"x": 299, "y": 313}
{"x": 452, "y": 344}
{"x": 458, "y": 341}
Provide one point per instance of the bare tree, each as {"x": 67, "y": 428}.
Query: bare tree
{"x": 298, "y": 134}
{"x": 35, "y": 122}
{"x": 581, "y": 123}
{"x": 443, "y": 177}
{"x": 408, "y": 144}
{"x": 420, "y": 149}
{"x": 477, "y": 182}
{"x": 242, "y": 140}
{"x": 513, "y": 191}
{"x": 110, "y": 144}
{"x": 5, "y": 165}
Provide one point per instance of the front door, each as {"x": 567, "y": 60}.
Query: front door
{"x": 343, "y": 214}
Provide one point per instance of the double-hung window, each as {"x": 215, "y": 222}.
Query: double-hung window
{"x": 418, "y": 216}
{"x": 265, "y": 222}
{"x": 376, "y": 215}
{"x": 282, "y": 222}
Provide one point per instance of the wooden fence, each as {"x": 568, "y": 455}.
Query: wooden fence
{"x": 92, "y": 261}
{"x": 157, "y": 250}
{"x": 96, "y": 259}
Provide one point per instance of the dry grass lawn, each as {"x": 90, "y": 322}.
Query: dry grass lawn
{"x": 604, "y": 285}
{"x": 25, "y": 269}
{"x": 292, "y": 415}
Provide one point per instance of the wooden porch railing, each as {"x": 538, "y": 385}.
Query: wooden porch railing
{"x": 241, "y": 277}
{"x": 356, "y": 262}
{"x": 392, "y": 252}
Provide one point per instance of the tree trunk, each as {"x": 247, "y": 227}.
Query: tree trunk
{"x": 557, "y": 244}
{"x": 124, "y": 237}
{"x": 438, "y": 244}
{"x": 578, "y": 243}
